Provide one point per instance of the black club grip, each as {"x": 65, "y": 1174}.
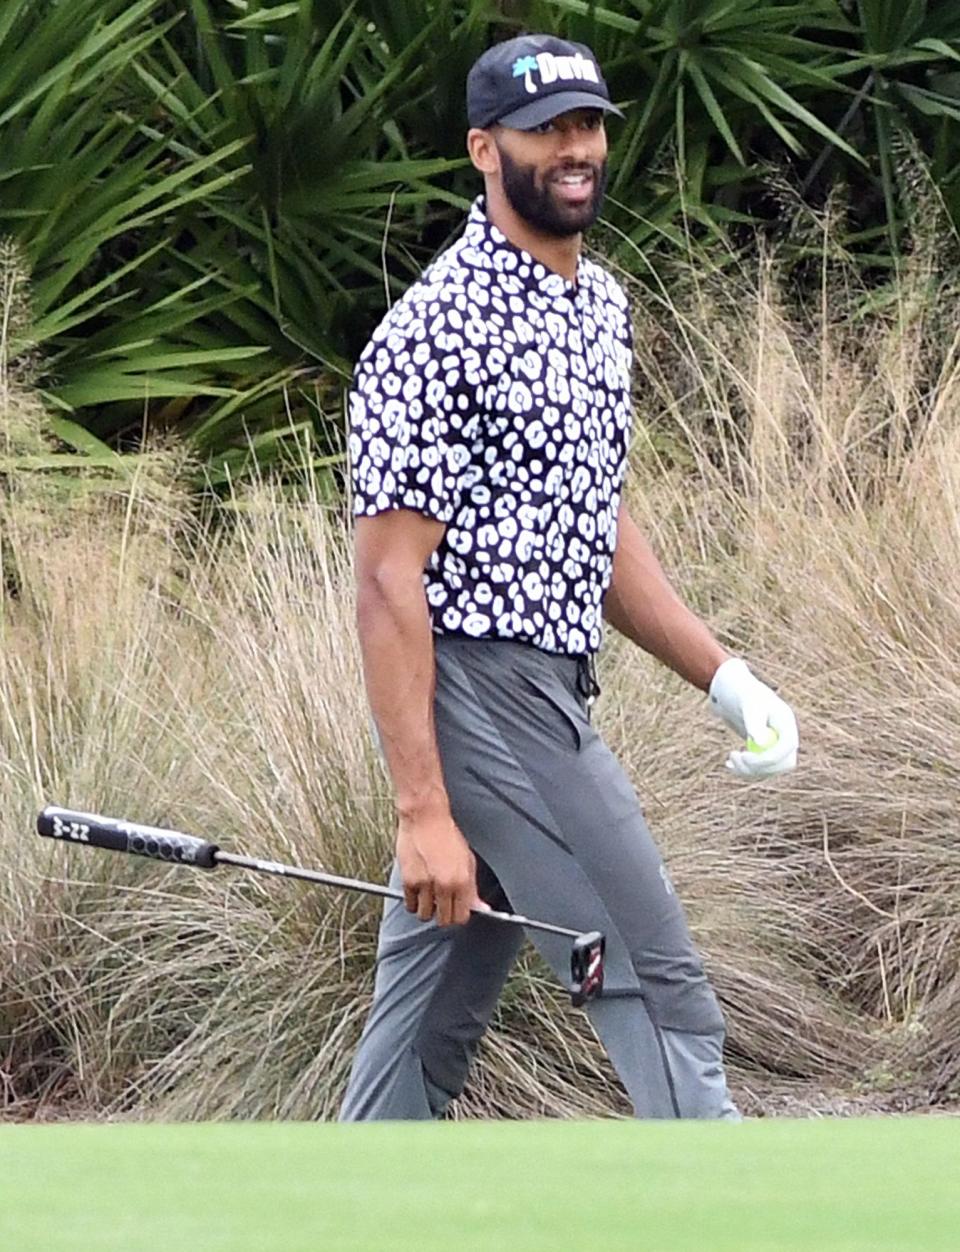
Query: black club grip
{"x": 119, "y": 836}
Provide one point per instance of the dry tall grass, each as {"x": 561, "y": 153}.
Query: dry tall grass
{"x": 801, "y": 476}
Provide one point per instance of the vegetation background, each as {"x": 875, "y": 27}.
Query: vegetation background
{"x": 206, "y": 207}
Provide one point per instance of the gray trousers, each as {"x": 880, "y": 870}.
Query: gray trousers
{"x": 559, "y": 835}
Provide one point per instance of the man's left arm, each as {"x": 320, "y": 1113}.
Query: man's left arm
{"x": 641, "y": 604}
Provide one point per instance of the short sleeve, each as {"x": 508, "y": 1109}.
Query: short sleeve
{"x": 412, "y": 416}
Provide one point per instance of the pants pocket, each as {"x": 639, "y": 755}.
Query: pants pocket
{"x": 549, "y": 711}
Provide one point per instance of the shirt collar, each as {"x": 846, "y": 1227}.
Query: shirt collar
{"x": 487, "y": 247}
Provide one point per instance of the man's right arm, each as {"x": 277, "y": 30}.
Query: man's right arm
{"x": 396, "y": 641}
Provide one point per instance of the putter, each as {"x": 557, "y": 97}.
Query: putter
{"x": 586, "y": 958}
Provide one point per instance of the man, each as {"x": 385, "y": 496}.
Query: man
{"x": 490, "y": 415}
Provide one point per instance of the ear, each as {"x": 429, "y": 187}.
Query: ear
{"x": 483, "y": 151}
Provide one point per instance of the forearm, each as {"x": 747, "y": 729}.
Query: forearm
{"x": 396, "y": 643}
{"x": 642, "y": 605}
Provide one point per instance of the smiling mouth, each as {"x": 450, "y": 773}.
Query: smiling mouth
{"x": 574, "y": 186}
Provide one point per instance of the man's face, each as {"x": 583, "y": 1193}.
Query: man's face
{"x": 555, "y": 177}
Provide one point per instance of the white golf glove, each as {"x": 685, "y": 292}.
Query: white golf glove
{"x": 756, "y": 713}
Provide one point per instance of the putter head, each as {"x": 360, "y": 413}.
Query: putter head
{"x": 586, "y": 967}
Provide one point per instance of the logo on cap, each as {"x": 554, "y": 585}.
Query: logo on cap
{"x": 551, "y": 68}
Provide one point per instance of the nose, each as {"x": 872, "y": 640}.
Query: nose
{"x": 575, "y": 145}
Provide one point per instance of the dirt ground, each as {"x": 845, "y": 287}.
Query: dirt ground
{"x": 756, "y": 1097}
{"x": 763, "y": 1098}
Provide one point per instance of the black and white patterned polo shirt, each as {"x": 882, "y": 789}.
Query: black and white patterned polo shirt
{"x": 495, "y": 397}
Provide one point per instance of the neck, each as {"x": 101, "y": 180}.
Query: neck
{"x": 559, "y": 255}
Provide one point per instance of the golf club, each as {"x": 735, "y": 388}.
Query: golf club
{"x": 172, "y": 846}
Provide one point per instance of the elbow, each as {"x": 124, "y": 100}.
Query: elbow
{"x": 373, "y": 593}
{"x": 383, "y": 588}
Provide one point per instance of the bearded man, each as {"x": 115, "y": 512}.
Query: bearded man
{"x": 490, "y": 416}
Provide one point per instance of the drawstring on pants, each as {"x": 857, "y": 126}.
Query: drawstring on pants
{"x": 587, "y": 683}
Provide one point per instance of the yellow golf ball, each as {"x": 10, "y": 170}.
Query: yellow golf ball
{"x": 769, "y": 739}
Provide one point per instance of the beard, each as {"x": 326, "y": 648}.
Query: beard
{"x": 540, "y": 207}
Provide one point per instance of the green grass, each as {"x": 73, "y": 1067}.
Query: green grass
{"x": 524, "y": 1187}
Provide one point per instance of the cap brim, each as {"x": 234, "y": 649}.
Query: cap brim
{"x": 539, "y": 111}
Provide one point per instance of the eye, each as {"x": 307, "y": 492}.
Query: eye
{"x": 543, "y": 129}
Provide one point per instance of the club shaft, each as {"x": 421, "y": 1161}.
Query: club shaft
{"x": 374, "y": 889}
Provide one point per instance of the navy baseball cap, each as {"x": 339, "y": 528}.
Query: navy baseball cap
{"x": 529, "y": 80}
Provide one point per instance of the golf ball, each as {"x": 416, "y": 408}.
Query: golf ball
{"x": 769, "y": 739}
